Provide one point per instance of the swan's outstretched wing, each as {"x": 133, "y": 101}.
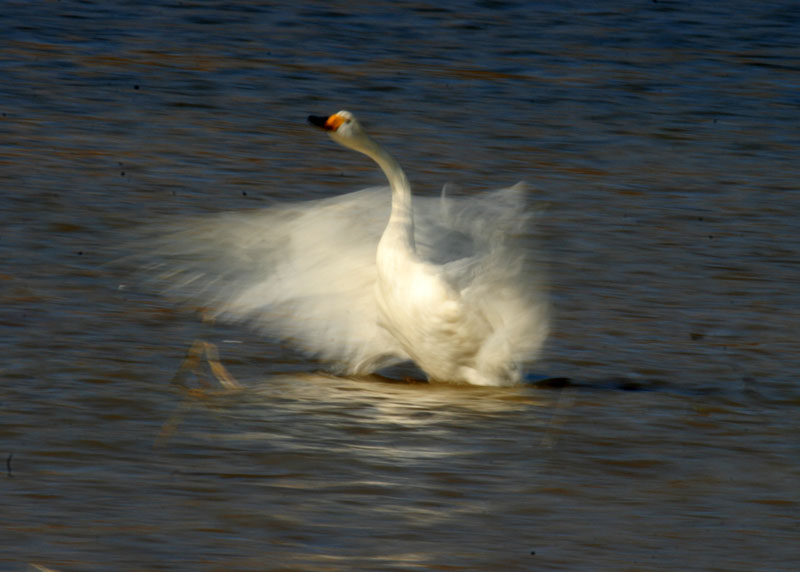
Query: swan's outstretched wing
{"x": 453, "y": 230}
{"x": 306, "y": 271}
{"x": 303, "y": 272}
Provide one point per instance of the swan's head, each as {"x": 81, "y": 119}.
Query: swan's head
{"x": 345, "y": 129}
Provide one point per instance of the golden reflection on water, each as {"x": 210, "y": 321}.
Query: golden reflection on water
{"x": 378, "y": 401}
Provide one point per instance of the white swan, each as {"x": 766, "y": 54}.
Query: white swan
{"x": 445, "y": 283}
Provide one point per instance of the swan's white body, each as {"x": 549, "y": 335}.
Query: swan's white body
{"x": 447, "y": 292}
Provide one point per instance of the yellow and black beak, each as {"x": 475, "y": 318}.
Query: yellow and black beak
{"x": 330, "y": 123}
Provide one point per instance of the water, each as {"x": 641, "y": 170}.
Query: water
{"x": 662, "y": 138}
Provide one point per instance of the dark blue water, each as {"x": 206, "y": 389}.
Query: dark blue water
{"x": 661, "y": 139}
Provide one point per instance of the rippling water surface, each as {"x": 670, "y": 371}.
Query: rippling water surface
{"x": 662, "y": 141}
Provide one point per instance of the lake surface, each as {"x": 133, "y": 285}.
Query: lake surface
{"x": 662, "y": 141}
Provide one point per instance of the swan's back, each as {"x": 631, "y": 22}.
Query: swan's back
{"x": 471, "y": 310}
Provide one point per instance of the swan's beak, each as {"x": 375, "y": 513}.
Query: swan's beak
{"x": 330, "y": 123}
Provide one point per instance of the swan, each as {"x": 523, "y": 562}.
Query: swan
{"x": 373, "y": 278}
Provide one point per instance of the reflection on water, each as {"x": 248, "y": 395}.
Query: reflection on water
{"x": 662, "y": 140}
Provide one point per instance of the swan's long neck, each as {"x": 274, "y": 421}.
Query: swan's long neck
{"x": 401, "y": 221}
